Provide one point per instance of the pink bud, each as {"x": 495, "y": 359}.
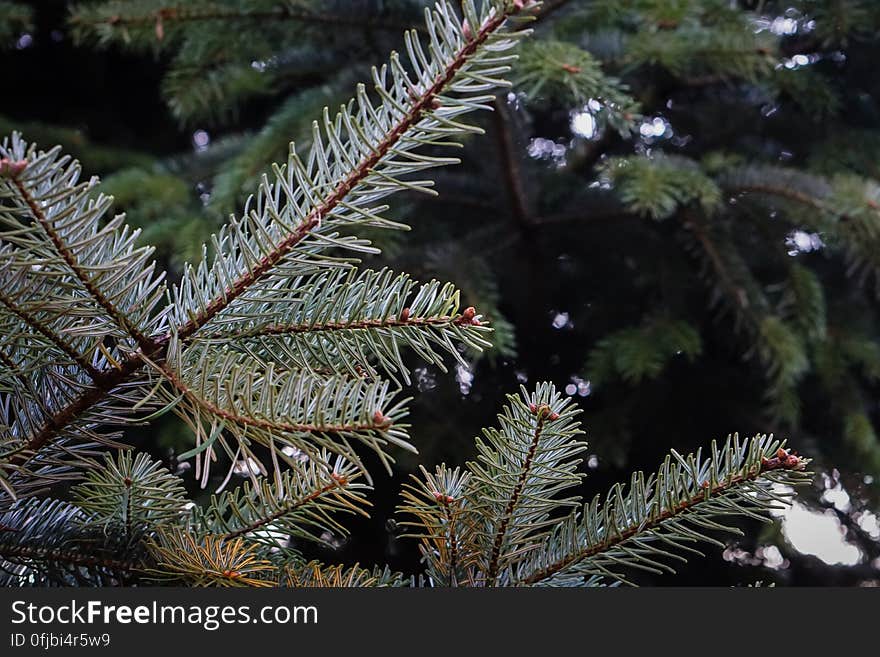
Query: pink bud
{"x": 11, "y": 168}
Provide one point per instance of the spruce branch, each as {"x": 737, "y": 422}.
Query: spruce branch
{"x": 658, "y": 185}
{"x": 78, "y": 299}
{"x": 552, "y": 70}
{"x": 510, "y": 519}
{"x": 521, "y": 469}
{"x": 131, "y": 494}
{"x": 50, "y": 542}
{"x": 56, "y": 340}
{"x": 846, "y": 207}
{"x": 663, "y": 514}
{"x": 291, "y": 229}
{"x": 301, "y": 503}
{"x": 53, "y": 221}
{"x": 219, "y": 391}
{"x": 352, "y": 322}
{"x": 309, "y": 200}
{"x": 773, "y": 343}
{"x": 443, "y": 524}
{"x": 212, "y": 561}
{"x": 475, "y": 525}
{"x": 731, "y": 49}
{"x": 642, "y": 352}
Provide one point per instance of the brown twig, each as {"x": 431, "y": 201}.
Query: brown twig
{"x": 509, "y": 164}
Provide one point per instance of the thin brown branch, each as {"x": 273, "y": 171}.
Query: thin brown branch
{"x": 783, "y": 192}
{"x": 106, "y": 383}
{"x": 451, "y": 519}
{"x": 736, "y": 292}
{"x": 509, "y": 165}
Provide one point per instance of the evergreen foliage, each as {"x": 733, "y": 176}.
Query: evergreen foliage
{"x": 15, "y": 18}
{"x": 286, "y": 358}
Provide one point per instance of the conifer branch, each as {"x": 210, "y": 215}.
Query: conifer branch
{"x": 317, "y": 575}
{"x": 51, "y": 542}
{"x": 656, "y": 513}
{"x": 735, "y": 292}
{"x": 211, "y": 561}
{"x": 417, "y": 114}
{"x": 788, "y": 193}
{"x": 507, "y": 520}
{"x": 290, "y": 507}
{"x": 55, "y": 339}
{"x": 378, "y": 422}
{"x": 36, "y": 554}
{"x": 70, "y": 258}
{"x": 422, "y": 103}
{"x": 500, "y": 534}
{"x": 300, "y": 504}
{"x": 354, "y": 325}
{"x": 62, "y": 418}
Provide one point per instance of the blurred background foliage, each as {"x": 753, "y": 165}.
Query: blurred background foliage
{"x": 674, "y": 215}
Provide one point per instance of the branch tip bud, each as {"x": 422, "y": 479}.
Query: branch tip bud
{"x": 381, "y": 420}
{"x": 11, "y": 168}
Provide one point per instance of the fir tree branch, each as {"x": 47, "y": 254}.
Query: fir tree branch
{"x": 33, "y": 322}
{"x": 59, "y": 420}
{"x": 70, "y": 258}
{"x": 492, "y": 571}
{"x": 354, "y": 325}
{"x": 733, "y": 484}
{"x": 317, "y": 575}
{"x": 797, "y": 196}
{"x": 735, "y": 292}
{"x": 211, "y": 561}
{"x": 51, "y": 541}
{"x": 290, "y": 507}
{"x": 378, "y": 422}
{"x": 516, "y": 486}
{"x": 785, "y": 192}
{"x": 421, "y": 103}
{"x": 300, "y": 502}
{"x": 445, "y": 525}
{"x": 60, "y": 556}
